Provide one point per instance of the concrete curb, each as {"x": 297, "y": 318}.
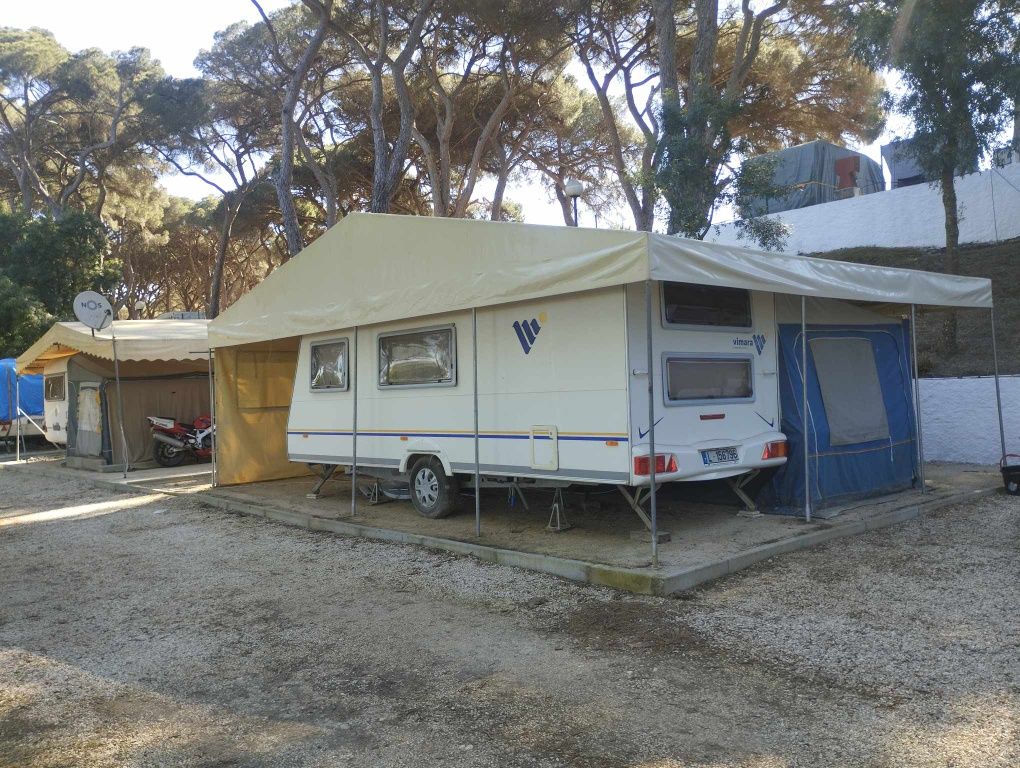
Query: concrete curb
{"x": 640, "y": 580}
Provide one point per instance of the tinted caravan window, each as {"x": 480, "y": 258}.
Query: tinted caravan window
{"x": 690, "y": 304}
{"x": 329, "y": 365}
{"x": 708, "y": 378}
{"x": 419, "y": 358}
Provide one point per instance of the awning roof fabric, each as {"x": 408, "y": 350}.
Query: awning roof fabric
{"x": 374, "y": 268}
{"x": 136, "y": 340}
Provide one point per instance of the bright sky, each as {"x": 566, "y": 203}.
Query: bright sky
{"x": 175, "y": 34}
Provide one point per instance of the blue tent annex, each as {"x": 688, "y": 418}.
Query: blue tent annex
{"x": 30, "y": 393}
{"x": 860, "y": 415}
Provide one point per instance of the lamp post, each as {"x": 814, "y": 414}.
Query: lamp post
{"x": 573, "y": 190}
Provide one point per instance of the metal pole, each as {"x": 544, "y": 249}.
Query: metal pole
{"x": 652, "y": 508}
{"x": 998, "y": 394}
{"x": 212, "y": 415}
{"x": 478, "y": 469}
{"x": 354, "y": 423}
{"x": 918, "y": 432}
{"x": 575, "y": 212}
{"x": 120, "y": 399}
{"x": 17, "y": 414}
{"x": 803, "y": 394}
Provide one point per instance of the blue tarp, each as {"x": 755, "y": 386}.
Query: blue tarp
{"x": 841, "y": 473}
{"x": 31, "y": 393}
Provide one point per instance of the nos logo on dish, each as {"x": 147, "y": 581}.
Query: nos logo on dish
{"x": 527, "y": 332}
{"x": 757, "y": 341}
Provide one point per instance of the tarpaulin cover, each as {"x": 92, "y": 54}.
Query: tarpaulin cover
{"x": 136, "y": 340}
{"x": 842, "y": 471}
{"x": 810, "y": 175}
{"x": 375, "y": 268}
{"x": 254, "y": 385}
{"x": 30, "y": 393}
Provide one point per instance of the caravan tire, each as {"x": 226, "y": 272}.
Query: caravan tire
{"x": 433, "y": 494}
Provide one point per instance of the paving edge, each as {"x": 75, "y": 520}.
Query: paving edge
{"x": 641, "y": 581}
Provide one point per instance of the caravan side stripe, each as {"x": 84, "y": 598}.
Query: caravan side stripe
{"x": 578, "y": 436}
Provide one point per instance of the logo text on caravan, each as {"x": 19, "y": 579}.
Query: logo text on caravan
{"x": 757, "y": 341}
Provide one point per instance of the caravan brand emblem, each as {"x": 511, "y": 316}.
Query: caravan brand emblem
{"x": 527, "y": 331}
{"x": 757, "y": 341}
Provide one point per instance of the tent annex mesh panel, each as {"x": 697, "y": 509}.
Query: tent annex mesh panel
{"x": 851, "y": 392}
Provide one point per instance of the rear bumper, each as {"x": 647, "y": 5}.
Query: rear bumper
{"x": 691, "y": 464}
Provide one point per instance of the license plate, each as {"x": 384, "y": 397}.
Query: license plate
{"x": 719, "y": 455}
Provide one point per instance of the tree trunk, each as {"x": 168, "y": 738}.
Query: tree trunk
{"x": 285, "y": 174}
{"x": 947, "y": 338}
{"x": 222, "y": 241}
{"x": 496, "y": 214}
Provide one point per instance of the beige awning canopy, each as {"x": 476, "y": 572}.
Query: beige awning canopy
{"x": 374, "y": 268}
{"x": 136, "y": 340}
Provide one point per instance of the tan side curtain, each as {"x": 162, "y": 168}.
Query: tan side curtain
{"x": 178, "y": 398}
{"x": 254, "y": 384}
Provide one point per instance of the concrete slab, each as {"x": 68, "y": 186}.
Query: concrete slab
{"x": 708, "y": 540}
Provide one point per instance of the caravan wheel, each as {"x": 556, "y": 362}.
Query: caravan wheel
{"x": 432, "y": 492}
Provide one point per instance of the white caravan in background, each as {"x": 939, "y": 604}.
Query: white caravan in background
{"x": 55, "y": 401}
{"x": 562, "y": 392}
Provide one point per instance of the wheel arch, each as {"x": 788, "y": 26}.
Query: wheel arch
{"x": 412, "y": 456}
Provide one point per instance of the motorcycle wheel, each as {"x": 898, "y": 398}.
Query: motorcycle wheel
{"x": 166, "y": 455}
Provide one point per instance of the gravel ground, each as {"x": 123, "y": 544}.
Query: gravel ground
{"x": 153, "y": 631}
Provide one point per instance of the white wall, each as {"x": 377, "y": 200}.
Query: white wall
{"x": 959, "y": 422}
{"x": 910, "y": 217}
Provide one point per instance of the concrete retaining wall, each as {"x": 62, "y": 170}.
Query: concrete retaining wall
{"x": 959, "y": 421}
{"x": 909, "y": 217}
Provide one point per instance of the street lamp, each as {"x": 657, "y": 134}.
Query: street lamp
{"x": 573, "y": 190}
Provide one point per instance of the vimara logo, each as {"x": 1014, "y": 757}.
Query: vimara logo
{"x": 757, "y": 341}
{"x": 527, "y": 331}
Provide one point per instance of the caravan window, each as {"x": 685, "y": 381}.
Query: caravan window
{"x": 55, "y": 387}
{"x": 418, "y": 358}
{"x": 329, "y": 365}
{"x": 695, "y": 379}
{"x": 689, "y": 304}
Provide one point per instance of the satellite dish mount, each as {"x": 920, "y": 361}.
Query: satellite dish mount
{"x": 93, "y": 310}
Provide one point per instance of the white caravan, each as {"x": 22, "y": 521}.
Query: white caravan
{"x": 563, "y": 391}
{"x": 55, "y": 401}
{"x": 563, "y": 355}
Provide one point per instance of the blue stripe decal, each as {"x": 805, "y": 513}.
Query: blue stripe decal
{"x": 483, "y": 435}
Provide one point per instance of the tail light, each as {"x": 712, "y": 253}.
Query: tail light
{"x": 778, "y": 449}
{"x": 664, "y": 463}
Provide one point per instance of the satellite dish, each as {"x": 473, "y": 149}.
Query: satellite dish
{"x": 93, "y": 310}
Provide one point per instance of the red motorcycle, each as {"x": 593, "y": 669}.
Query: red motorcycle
{"x": 172, "y": 440}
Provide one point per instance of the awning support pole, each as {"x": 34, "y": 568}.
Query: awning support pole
{"x": 998, "y": 393}
{"x": 918, "y": 431}
{"x": 212, "y": 415}
{"x": 804, "y": 401}
{"x": 354, "y": 422}
{"x": 478, "y": 471}
{"x": 17, "y": 415}
{"x": 652, "y": 508}
{"x": 120, "y": 399}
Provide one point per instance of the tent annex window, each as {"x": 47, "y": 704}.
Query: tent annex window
{"x": 419, "y": 358}
{"x": 851, "y": 390}
{"x": 691, "y": 379}
{"x": 687, "y": 304}
{"x": 328, "y": 365}
{"x": 55, "y": 387}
